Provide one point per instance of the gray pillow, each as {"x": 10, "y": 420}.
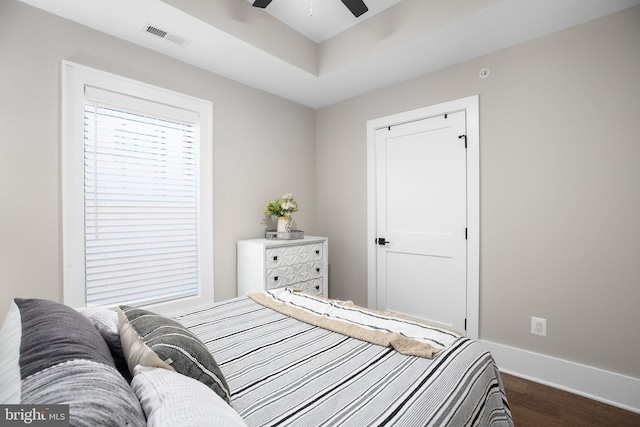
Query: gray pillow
{"x": 150, "y": 339}
{"x": 64, "y": 360}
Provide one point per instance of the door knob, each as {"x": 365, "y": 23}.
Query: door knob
{"x": 382, "y": 241}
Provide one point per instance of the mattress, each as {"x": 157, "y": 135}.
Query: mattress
{"x": 282, "y": 371}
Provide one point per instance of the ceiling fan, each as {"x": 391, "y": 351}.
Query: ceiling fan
{"x": 357, "y": 7}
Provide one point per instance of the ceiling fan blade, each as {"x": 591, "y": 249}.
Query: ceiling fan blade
{"x": 357, "y": 7}
{"x": 261, "y": 3}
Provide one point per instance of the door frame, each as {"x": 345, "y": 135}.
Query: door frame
{"x": 471, "y": 106}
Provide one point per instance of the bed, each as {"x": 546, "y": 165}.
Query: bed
{"x": 266, "y": 368}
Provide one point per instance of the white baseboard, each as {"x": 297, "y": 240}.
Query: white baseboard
{"x": 608, "y": 387}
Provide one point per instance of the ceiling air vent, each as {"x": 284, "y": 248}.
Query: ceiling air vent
{"x": 180, "y": 41}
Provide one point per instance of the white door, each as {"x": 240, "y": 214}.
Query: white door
{"x": 421, "y": 215}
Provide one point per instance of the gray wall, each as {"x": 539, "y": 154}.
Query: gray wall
{"x": 560, "y": 188}
{"x": 253, "y": 133}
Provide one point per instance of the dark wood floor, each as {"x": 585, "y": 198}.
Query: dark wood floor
{"x": 536, "y": 405}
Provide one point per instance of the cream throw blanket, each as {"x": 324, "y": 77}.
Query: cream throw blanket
{"x": 405, "y": 335}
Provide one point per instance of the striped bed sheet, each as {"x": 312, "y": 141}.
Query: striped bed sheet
{"x": 282, "y": 371}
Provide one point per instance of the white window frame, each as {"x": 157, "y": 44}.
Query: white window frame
{"x": 74, "y": 79}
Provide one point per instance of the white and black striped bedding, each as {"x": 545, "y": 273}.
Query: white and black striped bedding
{"x": 285, "y": 372}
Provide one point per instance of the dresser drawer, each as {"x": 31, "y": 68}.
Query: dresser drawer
{"x": 312, "y": 286}
{"x": 289, "y": 274}
{"x": 288, "y": 255}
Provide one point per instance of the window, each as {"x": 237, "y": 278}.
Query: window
{"x": 136, "y": 193}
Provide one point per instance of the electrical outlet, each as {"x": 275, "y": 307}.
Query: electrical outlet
{"x": 539, "y": 326}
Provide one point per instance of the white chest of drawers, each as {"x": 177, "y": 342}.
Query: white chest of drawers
{"x": 269, "y": 264}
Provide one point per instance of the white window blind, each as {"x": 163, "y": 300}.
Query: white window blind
{"x": 140, "y": 200}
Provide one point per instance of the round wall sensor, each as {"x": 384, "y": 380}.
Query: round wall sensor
{"x": 484, "y": 73}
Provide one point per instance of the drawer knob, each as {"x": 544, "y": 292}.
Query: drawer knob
{"x": 318, "y": 287}
{"x": 275, "y": 278}
{"x": 275, "y": 258}
{"x": 317, "y": 251}
{"x": 318, "y": 269}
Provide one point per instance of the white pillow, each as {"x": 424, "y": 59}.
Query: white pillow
{"x": 106, "y": 322}
{"x": 10, "y": 340}
{"x": 171, "y": 399}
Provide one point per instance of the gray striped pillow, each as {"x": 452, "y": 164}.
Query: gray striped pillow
{"x": 150, "y": 339}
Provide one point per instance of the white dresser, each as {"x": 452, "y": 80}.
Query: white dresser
{"x": 269, "y": 264}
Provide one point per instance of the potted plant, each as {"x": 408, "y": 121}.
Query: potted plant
{"x": 282, "y": 209}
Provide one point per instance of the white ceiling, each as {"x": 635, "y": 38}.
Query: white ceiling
{"x": 501, "y": 24}
{"x": 319, "y": 20}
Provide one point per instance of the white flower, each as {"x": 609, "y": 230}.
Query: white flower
{"x": 281, "y": 207}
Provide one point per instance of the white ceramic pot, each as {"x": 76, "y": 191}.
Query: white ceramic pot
{"x": 284, "y": 224}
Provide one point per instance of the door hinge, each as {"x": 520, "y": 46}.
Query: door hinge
{"x": 466, "y": 234}
{"x": 465, "y": 324}
{"x": 465, "y": 140}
